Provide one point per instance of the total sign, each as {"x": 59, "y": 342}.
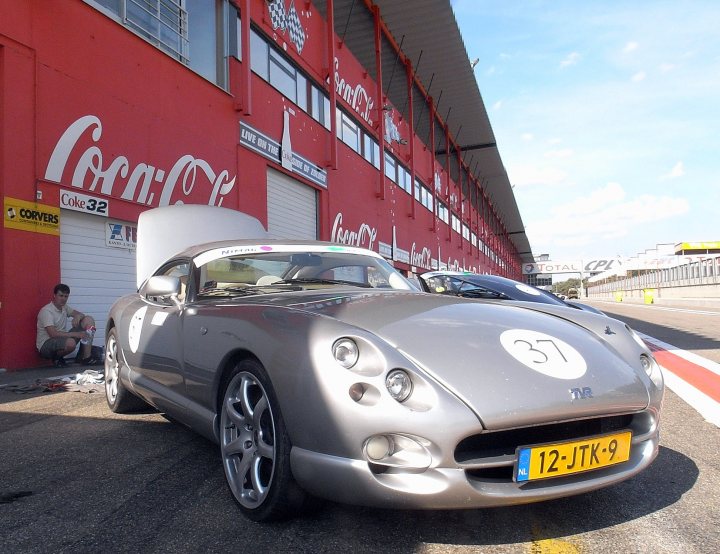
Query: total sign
{"x": 590, "y": 267}
{"x": 552, "y": 267}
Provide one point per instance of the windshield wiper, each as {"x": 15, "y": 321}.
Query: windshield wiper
{"x": 314, "y": 281}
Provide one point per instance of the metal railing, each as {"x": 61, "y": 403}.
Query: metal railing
{"x": 698, "y": 273}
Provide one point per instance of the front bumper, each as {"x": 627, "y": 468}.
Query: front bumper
{"x": 470, "y": 484}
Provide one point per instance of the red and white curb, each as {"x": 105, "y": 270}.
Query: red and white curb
{"x": 693, "y": 378}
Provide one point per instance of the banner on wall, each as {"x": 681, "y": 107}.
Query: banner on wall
{"x": 31, "y": 216}
{"x": 120, "y": 234}
{"x": 265, "y": 146}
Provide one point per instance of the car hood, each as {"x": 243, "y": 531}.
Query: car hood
{"x": 513, "y": 365}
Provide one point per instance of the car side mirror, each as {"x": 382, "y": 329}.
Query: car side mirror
{"x": 162, "y": 287}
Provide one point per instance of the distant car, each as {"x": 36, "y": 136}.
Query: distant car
{"x": 319, "y": 371}
{"x": 473, "y": 285}
{"x": 573, "y": 294}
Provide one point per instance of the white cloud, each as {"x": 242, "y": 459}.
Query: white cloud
{"x": 666, "y": 67}
{"x": 639, "y": 76}
{"x": 527, "y": 137}
{"x": 630, "y": 46}
{"x": 678, "y": 170}
{"x": 571, "y": 59}
{"x": 605, "y": 214}
{"x": 497, "y": 105}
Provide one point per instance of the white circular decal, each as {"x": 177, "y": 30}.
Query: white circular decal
{"x": 135, "y": 329}
{"x": 544, "y": 353}
{"x": 527, "y": 289}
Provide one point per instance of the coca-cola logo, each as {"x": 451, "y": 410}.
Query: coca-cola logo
{"x": 364, "y": 237}
{"x": 356, "y": 96}
{"x": 423, "y": 258}
{"x": 94, "y": 171}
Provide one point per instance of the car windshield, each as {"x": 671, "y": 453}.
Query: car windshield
{"x": 275, "y": 271}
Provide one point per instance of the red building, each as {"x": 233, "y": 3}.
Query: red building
{"x": 353, "y": 121}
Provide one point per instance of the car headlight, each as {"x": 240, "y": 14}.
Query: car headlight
{"x": 346, "y": 352}
{"x": 399, "y": 385}
{"x": 652, "y": 368}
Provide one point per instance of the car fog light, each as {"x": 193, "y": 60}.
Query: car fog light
{"x": 378, "y": 447}
{"x": 357, "y": 391}
{"x": 346, "y": 352}
{"x": 399, "y": 385}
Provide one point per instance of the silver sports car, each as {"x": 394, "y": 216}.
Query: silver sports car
{"x": 320, "y": 371}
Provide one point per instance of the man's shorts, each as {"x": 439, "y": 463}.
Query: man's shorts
{"x": 52, "y": 345}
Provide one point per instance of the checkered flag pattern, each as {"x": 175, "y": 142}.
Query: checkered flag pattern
{"x": 295, "y": 28}
{"x": 278, "y": 17}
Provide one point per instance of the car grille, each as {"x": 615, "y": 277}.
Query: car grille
{"x": 491, "y": 455}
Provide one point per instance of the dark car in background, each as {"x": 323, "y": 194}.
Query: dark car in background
{"x": 473, "y": 285}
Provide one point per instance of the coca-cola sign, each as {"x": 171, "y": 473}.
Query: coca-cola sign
{"x": 117, "y": 178}
{"x": 355, "y": 95}
{"x": 364, "y": 236}
{"x": 422, "y": 258}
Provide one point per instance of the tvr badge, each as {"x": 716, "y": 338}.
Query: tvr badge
{"x": 578, "y": 393}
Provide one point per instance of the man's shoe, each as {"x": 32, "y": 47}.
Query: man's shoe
{"x": 59, "y": 362}
{"x": 90, "y": 360}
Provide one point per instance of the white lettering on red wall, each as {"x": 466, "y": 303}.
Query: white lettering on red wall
{"x": 356, "y": 96}
{"x": 93, "y": 171}
{"x": 422, "y": 258}
{"x": 364, "y": 237}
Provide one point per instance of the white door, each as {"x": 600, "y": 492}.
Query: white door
{"x": 96, "y": 272}
{"x": 291, "y": 207}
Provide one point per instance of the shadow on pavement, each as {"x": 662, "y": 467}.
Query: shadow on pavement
{"x": 140, "y": 483}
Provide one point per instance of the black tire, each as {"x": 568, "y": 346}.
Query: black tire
{"x": 119, "y": 399}
{"x": 255, "y": 447}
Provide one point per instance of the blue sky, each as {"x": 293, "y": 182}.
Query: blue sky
{"x": 607, "y": 118}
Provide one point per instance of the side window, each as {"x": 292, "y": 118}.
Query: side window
{"x": 182, "y": 271}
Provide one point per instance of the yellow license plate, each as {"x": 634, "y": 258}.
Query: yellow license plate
{"x": 565, "y": 458}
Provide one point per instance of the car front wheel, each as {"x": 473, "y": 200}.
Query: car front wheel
{"x": 255, "y": 447}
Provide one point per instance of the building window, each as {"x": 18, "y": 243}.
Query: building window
{"x": 466, "y": 232}
{"x": 282, "y": 76}
{"x": 302, "y": 92}
{"x": 319, "y": 106}
{"x": 371, "y": 150}
{"x": 259, "y": 55}
{"x": 390, "y": 168}
{"x": 443, "y": 213}
{"x": 404, "y": 179}
{"x": 455, "y": 223}
{"x": 162, "y": 22}
{"x": 192, "y": 31}
{"x": 348, "y": 131}
{"x": 423, "y": 195}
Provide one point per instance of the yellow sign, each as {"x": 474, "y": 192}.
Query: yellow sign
{"x": 713, "y": 245}
{"x": 31, "y": 216}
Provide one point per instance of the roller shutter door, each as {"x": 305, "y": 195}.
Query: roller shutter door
{"x": 96, "y": 273}
{"x": 291, "y": 207}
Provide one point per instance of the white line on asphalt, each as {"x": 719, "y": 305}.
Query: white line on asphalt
{"x": 656, "y": 307}
{"x": 701, "y": 402}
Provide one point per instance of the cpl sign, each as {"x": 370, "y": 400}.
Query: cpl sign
{"x": 574, "y": 266}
